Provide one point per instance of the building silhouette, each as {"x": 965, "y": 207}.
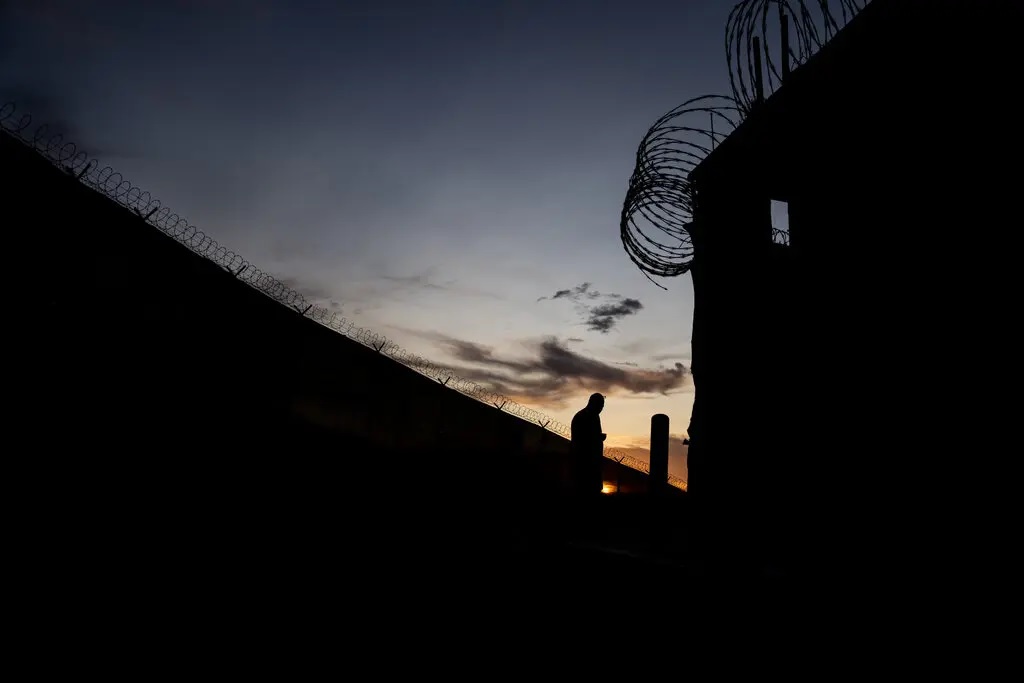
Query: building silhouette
{"x": 851, "y": 367}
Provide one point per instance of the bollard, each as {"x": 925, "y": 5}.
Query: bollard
{"x": 659, "y": 453}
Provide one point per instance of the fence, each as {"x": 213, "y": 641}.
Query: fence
{"x": 104, "y": 179}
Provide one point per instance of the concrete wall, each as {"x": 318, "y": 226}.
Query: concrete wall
{"x": 131, "y": 346}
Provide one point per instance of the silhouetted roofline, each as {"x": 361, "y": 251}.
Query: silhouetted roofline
{"x": 853, "y": 38}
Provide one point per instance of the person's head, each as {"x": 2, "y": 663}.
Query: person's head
{"x": 596, "y": 402}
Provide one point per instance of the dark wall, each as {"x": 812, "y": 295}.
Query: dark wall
{"x": 845, "y": 383}
{"x": 131, "y": 346}
{"x": 183, "y": 445}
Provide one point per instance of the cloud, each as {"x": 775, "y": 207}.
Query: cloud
{"x": 577, "y": 293}
{"x": 552, "y": 373}
{"x": 603, "y": 318}
{"x": 685, "y": 389}
{"x": 598, "y": 317}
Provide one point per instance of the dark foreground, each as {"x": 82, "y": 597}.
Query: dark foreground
{"x": 171, "y": 564}
{"x": 197, "y": 540}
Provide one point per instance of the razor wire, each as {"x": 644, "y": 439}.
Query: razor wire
{"x": 752, "y": 36}
{"x": 637, "y": 464}
{"x": 65, "y": 155}
{"x": 657, "y": 214}
{"x": 655, "y": 224}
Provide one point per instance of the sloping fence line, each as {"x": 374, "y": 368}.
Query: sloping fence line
{"x": 65, "y": 155}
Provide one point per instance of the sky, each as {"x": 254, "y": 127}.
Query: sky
{"x": 447, "y": 173}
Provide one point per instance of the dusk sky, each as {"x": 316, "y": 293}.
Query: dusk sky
{"x": 438, "y": 169}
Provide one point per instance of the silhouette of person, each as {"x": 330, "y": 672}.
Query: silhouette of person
{"x": 588, "y": 446}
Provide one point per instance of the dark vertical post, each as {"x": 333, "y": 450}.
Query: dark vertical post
{"x": 784, "y": 28}
{"x": 758, "y": 80}
{"x": 659, "y": 453}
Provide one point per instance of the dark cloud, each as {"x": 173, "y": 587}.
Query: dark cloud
{"x": 577, "y": 293}
{"x": 603, "y": 318}
{"x": 574, "y": 340}
{"x": 553, "y": 373}
{"x": 470, "y": 352}
{"x": 598, "y": 317}
{"x": 647, "y": 397}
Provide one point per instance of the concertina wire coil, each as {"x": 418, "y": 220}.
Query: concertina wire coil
{"x": 657, "y": 213}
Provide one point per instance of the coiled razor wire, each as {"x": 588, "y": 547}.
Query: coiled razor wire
{"x": 65, "y": 155}
{"x": 754, "y": 33}
{"x": 657, "y": 214}
{"x": 658, "y": 210}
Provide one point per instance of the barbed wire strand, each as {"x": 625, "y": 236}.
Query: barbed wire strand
{"x": 65, "y": 155}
